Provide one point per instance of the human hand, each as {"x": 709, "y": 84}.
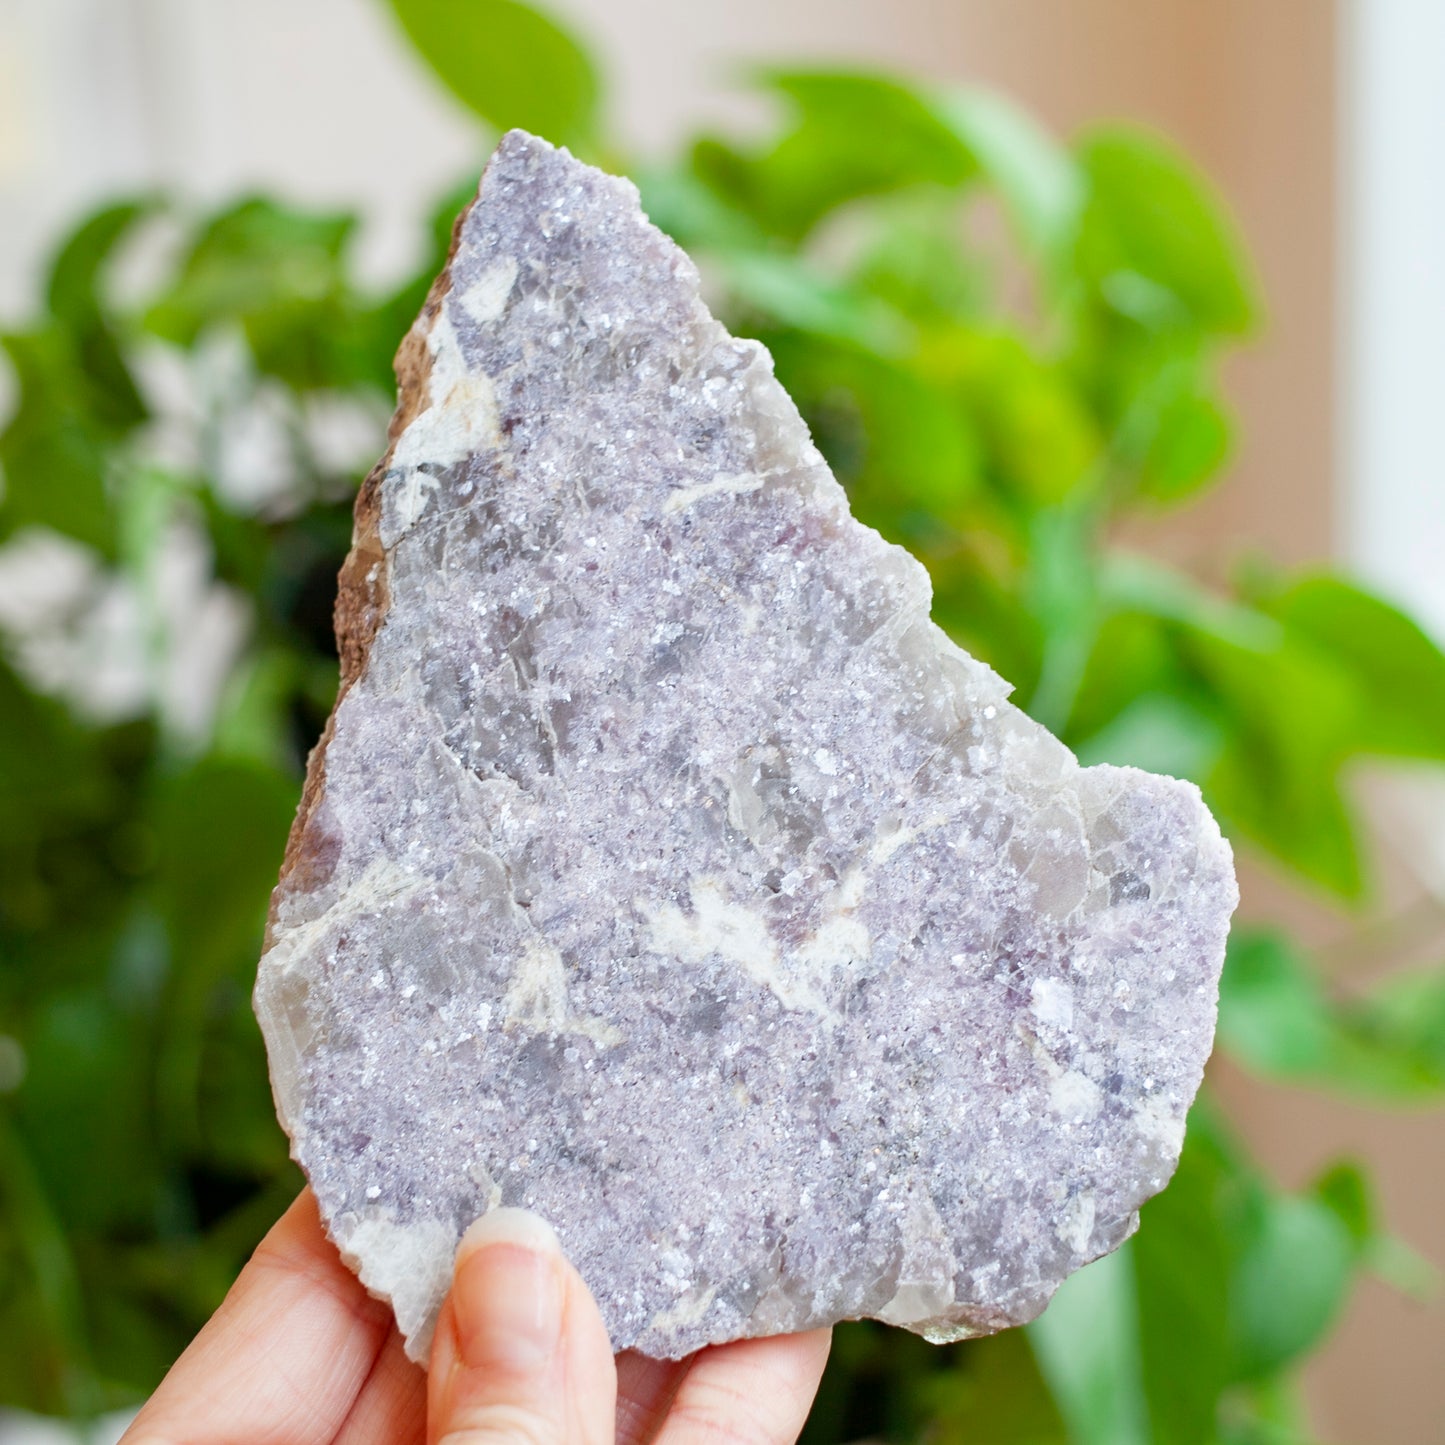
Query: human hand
{"x": 300, "y": 1354}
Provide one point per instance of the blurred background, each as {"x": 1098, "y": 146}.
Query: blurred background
{"x": 1129, "y": 318}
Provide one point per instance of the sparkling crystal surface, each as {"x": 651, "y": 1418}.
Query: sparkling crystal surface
{"x": 665, "y": 870}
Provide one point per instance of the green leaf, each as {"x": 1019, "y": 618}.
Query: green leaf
{"x": 1038, "y": 180}
{"x": 1043, "y": 443}
{"x": 905, "y": 453}
{"x": 1276, "y": 1018}
{"x": 73, "y": 288}
{"x": 1156, "y": 240}
{"x": 1191, "y": 443}
{"x": 1153, "y": 380}
{"x": 1273, "y": 1016}
{"x": 251, "y": 257}
{"x": 1399, "y": 670}
{"x": 53, "y": 452}
{"x": 1403, "y": 1268}
{"x": 1290, "y": 720}
{"x": 77, "y": 398}
{"x": 280, "y": 274}
{"x": 222, "y": 829}
{"x": 693, "y": 213}
{"x": 1271, "y": 1412}
{"x": 75, "y": 783}
{"x": 252, "y": 721}
{"x": 75, "y": 298}
{"x": 73, "y": 844}
{"x": 885, "y": 1384}
{"x": 1290, "y": 1283}
{"x": 84, "y": 1110}
{"x": 1060, "y": 592}
{"x": 508, "y": 63}
{"x": 1408, "y": 1011}
{"x": 911, "y": 258}
{"x": 1182, "y": 1255}
{"x": 975, "y": 601}
{"x": 994, "y": 1392}
{"x": 781, "y": 290}
{"x": 1087, "y": 1344}
{"x": 1344, "y": 1189}
{"x": 1133, "y": 657}
{"x": 1226, "y": 1282}
{"x": 854, "y": 135}
{"x": 1296, "y": 811}
{"x": 1161, "y": 733}
{"x": 47, "y": 1332}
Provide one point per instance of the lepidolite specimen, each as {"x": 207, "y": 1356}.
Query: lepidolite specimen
{"x": 665, "y": 870}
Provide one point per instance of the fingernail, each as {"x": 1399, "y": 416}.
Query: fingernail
{"x": 507, "y": 1294}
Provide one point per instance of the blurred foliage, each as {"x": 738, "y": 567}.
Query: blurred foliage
{"x": 1006, "y": 346}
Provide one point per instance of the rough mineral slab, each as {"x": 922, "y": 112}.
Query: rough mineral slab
{"x": 666, "y": 871}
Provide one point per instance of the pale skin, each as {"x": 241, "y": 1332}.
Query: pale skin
{"x": 300, "y": 1354}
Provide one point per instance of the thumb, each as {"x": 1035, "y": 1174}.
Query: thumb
{"x": 521, "y": 1355}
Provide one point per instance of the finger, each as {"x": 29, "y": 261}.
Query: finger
{"x": 391, "y": 1406}
{"x": 751, "y": 1392}
{"x": 521, "y": 1355}
{"x": 646, "y": 1389}
{"x": 284, "y": 1359}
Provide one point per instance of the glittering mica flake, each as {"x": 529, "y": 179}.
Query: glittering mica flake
{"x": 665, "y": 870}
